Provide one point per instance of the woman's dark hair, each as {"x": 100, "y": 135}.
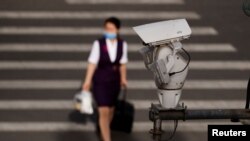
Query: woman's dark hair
{"x": 114, "y": 21}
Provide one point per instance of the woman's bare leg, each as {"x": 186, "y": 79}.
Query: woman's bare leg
{"x": 104, "y": 122}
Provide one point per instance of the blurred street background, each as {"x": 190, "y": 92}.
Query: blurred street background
{"x": 44, "y": 45}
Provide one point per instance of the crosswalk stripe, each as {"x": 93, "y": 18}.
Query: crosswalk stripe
{"x": 204, "y": 31}
{"x": 44, "y": 126}
{"x": 133, "y": 65}
{"x": 138, "y": 104}
{"x": 125, "y": 2}
{"x": 210, "y": 47}
{"x": 86, "y": 30}
{"x": 99, "y": 15}
{"x": 221, "y": 65}
{"x": 133, "y": 84}
{"x": 195, "y": 84}
{"x": 191, "y": 47}
{"x": 89, "y": 127}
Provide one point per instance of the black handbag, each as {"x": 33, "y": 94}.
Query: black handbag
{"x": 246, "y": 7}
{"x": 123, "y": 115}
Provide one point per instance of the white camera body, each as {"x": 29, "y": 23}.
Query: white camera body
{"x": 163, "y": 32}
{"x": 162, "y": 56}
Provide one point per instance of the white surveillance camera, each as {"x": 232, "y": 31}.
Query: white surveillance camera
{"x": 164, "y": 55}
{"x": 163, "y": 32}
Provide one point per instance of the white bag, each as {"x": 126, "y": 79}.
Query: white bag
{"x": 83, "y": 102}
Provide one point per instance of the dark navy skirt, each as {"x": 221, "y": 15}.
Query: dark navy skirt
{"x": 106, "y": 94}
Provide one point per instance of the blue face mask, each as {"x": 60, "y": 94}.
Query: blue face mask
{"x": 110, "y": 35}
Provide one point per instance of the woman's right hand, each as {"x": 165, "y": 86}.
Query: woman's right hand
{"x": 86, "y": 86}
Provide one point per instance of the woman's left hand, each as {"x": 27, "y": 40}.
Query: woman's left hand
{"x": 124, "y": 82}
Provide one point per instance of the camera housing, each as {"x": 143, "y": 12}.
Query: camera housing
{"x": 163, "y": 32}
{"x": 163, "y": 55}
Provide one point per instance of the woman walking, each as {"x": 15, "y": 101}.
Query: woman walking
{"x": 106, "y": 72}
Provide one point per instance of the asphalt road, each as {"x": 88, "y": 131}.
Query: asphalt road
{"x": 44, "y": 46}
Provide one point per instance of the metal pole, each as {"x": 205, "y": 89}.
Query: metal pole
{"x": 157, "y": 130}
{"x": 205, "y": 114}
{"x": 157, "y": 112}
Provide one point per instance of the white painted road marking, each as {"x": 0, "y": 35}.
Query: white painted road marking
{"x": 90, "y": 127}
{"x": 86, "y": 30}
{"x": 133, "y": 65}
{"x": 139, "y": 104}
{"x": 132, "y": 2}
{"x": 191, "y": 47}
{"x": 99, "y": 15}
{"x": 133, "y": 84}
